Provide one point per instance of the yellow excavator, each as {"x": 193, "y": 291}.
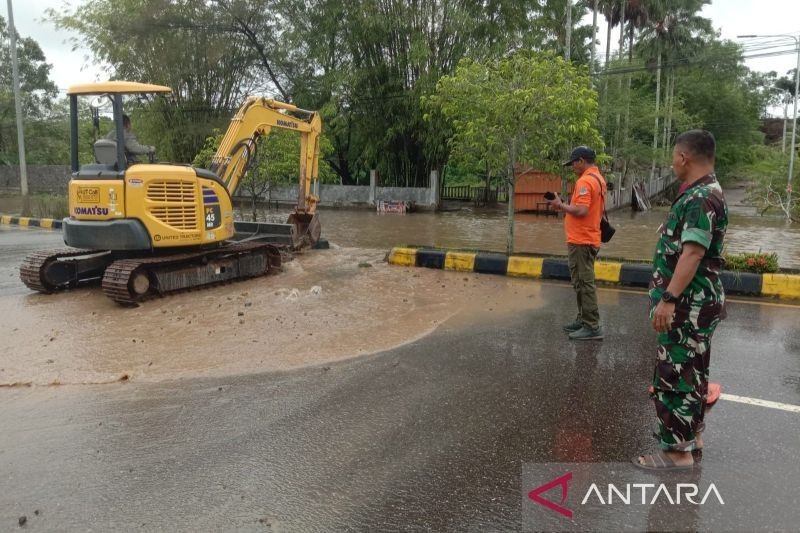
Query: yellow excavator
{"x": 148, "y": 229}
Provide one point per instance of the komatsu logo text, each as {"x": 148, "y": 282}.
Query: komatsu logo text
{"x": 94, "y": 210}
{"x": 287, "y": 124}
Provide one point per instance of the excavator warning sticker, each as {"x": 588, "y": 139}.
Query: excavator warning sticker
{"x": 88, "y": 195}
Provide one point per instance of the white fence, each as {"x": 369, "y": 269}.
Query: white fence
{"x": 619, "y": 198}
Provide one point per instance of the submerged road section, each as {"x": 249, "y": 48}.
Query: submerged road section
{"x": 433, "y": 434}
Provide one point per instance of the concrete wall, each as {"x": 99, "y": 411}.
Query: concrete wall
{"x": 351, "y": 195}
{"x": 41, "y": 178}
{"x": 330, "y": 195}
{"x": 54, "y": 179}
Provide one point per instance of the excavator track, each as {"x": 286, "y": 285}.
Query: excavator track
{"x": 48, "y": 271}
{"x": 130, "y": 281}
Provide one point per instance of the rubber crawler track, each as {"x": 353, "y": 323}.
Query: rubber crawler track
{"x": 31, "y": 272}
{"x": 117, "y": 277}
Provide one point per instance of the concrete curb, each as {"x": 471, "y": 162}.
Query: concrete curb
{"x": 48, "y": 223}
{"x": 614, "y": 272}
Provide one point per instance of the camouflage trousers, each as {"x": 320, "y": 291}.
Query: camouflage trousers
{"x": 680, "y": 384}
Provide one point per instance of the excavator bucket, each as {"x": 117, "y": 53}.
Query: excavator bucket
{"x": 307, "y": 229}
{"x": 300, "y": 231}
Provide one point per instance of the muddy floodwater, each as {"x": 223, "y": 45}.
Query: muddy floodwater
{"x": 326, "y": 305}
{"x": 460, "y": 225}
{"x": 463, "y": 226}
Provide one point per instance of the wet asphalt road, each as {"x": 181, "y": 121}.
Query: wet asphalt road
{"x": 432, "y": 435}
{"x": 15, "y": 244}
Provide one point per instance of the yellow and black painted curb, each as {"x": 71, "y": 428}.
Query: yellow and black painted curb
{"x": 784, "y": 285}
{"x": 49, "y": 223}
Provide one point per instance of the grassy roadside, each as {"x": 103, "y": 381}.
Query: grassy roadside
{"x": 39, "y": 205}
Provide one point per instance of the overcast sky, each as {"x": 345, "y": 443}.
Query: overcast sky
{"x": 731, "y": 17}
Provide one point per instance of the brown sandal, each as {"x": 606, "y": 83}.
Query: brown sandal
{"x": 658, "y": 461}
{"x": 697, "y": 453}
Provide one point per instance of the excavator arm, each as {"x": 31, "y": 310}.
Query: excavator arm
{"x": 256, "y": 118}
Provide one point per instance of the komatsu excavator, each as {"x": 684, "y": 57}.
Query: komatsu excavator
{"x": 151, "y": 229}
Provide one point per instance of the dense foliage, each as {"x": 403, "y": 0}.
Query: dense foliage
{"x": 527, "y": 109}
{"x": 369, "y": 65}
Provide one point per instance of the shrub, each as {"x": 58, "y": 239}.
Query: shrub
{"x": 759, "y": 263}
{"x": 54, "y": 206}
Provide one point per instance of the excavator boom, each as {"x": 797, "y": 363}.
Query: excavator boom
{"x": 256, "y": 118}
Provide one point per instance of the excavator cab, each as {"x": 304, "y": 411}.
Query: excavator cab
{"x": 120, "y": 205}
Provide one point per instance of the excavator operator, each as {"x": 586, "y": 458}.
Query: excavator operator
{"x": 132, "y": 146}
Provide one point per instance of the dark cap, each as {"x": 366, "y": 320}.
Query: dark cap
{"x": 581, "y": 152}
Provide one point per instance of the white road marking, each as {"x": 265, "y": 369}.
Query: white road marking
{"x": 761, "y": 403}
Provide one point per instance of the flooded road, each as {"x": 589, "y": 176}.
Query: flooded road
{"x": 464, "y": 226}
{"x": 326, "y": 305}
{"x": 485, "y": 229}
{"x": 460, "y": 225}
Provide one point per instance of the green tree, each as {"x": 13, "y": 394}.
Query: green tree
{"x": 719, "y": 94}
{"x": 366, "y": 63}
{"x": 37, "y": 92}
{"x": 525, "y": 108}
{"x": 766, "y": 170}
{"x": 180, "y": 44}
{"x": 674, "y": 28}
{"x": 548, "y": 29}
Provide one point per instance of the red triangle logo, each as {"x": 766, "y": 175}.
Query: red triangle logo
{"x": 563, "y": 481}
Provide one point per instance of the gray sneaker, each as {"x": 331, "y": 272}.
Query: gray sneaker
{"x": 586, "y": 334}
{"x": 573, "y": 326}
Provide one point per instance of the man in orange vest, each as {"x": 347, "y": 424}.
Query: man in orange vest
{"x": 582, "y": 226}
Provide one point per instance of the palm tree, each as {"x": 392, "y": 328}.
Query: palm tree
{"x": 549, "y": 29}
{"x": 594, "y": 34}
{"x": 637, "y": 17}
{"x": 674, "y": 29}
{"x": 611, "y": 10}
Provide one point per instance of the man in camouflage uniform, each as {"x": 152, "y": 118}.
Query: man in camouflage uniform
{"x": 687, "y": 301}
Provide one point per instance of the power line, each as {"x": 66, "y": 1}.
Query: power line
{"x": 693, "y": 61}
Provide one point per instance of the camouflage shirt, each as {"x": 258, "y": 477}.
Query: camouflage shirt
{"x": 699, "y": 215}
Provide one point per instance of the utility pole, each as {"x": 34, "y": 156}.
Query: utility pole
{"x": 568, "y": 39}
{"x": 594, "y": 35}
{"x": 793, "y": 146}
{"x": 23, "y": 169}
{"x": 785, "y": 118}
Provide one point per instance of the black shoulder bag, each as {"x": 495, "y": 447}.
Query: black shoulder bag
{"x": 606, "y": 229}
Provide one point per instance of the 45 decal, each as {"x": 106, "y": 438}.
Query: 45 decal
{"x": 211, "y": 211}
{"x": 213, "y": 217}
